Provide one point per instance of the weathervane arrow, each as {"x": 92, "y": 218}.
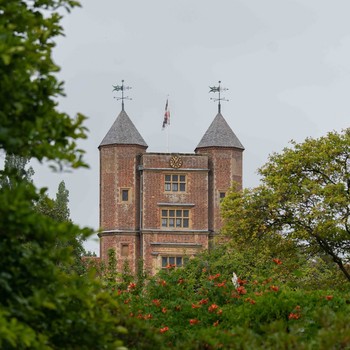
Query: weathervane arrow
{"x": 122, "y": 88}
{"x": 218, "y": 89}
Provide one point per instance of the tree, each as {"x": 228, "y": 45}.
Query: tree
{"x": 41, "y": 306}
{"x": 16, "y": 166}
{"x": 305, "y": 196}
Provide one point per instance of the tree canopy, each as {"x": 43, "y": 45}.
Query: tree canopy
{"x": 41, "y": 305}
{"x": 304, "y": 195}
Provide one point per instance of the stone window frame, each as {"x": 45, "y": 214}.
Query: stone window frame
{"x": 124, "y": 250}
{"x": 173, "y": 185}
{"x": 122, "y": 191}
{"x": 173, "y": 260}
{"x": 178, "y": 217}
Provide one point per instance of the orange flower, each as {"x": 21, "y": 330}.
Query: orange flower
{"x": 212, "y": 307}
{"x": 203, "y": 301}
{"x": 162, "y": 283}
{"x": 274, "y": 288}
{"x": 250, "y": 300}
{"x": 147, "y": 317}
{"x": 219, "y": 312}
{"x": 164, "y": 329}
{"x": 213, "y": 277}
{"x": 170, "y": 266}
{"x": 222, "y": 284}
{"x": 329, "y": 297}
{"x": 293, "y": 316}
{"x": 277, "y": 261}
{"x": 241, "y": 290}
{"x": 215, "y": 324}
{"x": 156, "y": 302}
{"x": 193, "y": 321}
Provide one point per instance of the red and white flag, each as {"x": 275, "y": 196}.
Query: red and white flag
{"x": 166, "y": 120}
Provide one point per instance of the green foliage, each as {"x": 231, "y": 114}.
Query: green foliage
{"x": 200, "y": 303}
{"x": 305, "y": 196}
{"x": 41, "y": 305}
{"x": 30, "y": 124}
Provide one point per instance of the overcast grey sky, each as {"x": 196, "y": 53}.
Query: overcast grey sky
{"x": 286, "y": 64}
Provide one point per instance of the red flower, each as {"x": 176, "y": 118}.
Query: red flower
{"x": 203, "y": 301}
{"x": 329, "y": 297}
{"x": 215, "y": 324}
{"x": 193, "y": 321}
{"x": 213, "y": 277}
{"x": 250, "y": 300}
{"x": 164, "y": 329}
{"x": 222, "y": 284}
{"x": 241, "y": 282}
{"x": 162, "y": 283}
{"x": 274, "y": 288}
{"x": 277, "y": 261}
{"x": 293, "y": 316}
{"x": 212, "y": 307}
{"x": 156, "y": 302}
{"x": 241, "y": 290}
{"x": 131, "y": 286}
{"x": 164, "y": 310}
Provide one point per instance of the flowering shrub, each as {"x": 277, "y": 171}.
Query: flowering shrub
{"x": 208, "y": 313}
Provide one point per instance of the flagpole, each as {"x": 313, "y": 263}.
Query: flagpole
{"x": 167, "y": 140}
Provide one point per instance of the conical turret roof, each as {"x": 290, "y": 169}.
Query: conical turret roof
{"x": 123, "y": 132}
{"x": 219, "y": 134}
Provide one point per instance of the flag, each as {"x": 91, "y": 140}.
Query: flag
{"x": 166, "y": 120}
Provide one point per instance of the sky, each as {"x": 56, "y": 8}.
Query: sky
{"x": 286, "y": 64}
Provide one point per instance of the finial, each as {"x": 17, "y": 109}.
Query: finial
{"x": 219, "y": 99}
{"x": 122, "y": 88}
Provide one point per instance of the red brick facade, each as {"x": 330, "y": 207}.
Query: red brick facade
{"x": 162, "y": 207}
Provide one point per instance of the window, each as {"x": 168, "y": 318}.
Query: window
{"x": 125, "y": 195}
{"x": 175, "y": 218}
{"x": 173, "y": 261}
{"x": 125, "y": 250}
{"x": 222, "y": 195}
{"x": 175, "y": 183}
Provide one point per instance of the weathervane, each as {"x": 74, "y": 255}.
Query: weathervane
{"x": 122, "y": 88}
{"x": 218, "y": 89}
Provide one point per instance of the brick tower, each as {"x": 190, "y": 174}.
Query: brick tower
{"x": 163, "y": 208}
{"x": 120, "y": 152}
{"x": 225, "y": 155}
